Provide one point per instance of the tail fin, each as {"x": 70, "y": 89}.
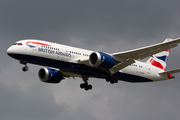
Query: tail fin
{"x": 160, "y": 59}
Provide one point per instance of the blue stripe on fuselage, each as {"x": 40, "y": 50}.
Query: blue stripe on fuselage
{"x": 76, "y": 68}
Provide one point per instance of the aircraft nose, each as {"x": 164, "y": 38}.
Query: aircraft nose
{"x": 9, "y": 50}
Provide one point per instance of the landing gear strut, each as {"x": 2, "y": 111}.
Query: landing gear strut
{"x": 85, "y": 85}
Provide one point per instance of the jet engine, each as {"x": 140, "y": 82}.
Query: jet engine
{"x": 101, "y": 60}
{"x": 49, "y": 75}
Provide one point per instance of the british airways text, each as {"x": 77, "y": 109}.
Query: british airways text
{"x": 54, "y": 52}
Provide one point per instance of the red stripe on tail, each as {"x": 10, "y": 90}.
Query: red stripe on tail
{"x": 156, "y": 64}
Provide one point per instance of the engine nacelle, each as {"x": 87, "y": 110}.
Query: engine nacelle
{"x": 49, "y": 75}
{"x": 101, "y": 60}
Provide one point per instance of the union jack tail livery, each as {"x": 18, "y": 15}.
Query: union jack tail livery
{"x": 160, "y": 59}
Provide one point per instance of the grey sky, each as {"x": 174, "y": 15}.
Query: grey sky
{"x": 101, "y": 25}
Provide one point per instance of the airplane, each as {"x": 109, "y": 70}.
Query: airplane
{"x": 62, "y": 61}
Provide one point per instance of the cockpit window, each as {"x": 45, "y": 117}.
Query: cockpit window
{"x": 15, "y": 44}
{"x": 20, "y": 44}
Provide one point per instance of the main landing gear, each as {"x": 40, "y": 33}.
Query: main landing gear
{"x": 85, "y": 85}
{"x": 112, "y": 80}
{"x": 24, "y": 63}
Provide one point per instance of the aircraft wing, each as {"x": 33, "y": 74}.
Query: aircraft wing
{"x": 147, "y": 51}
{"x": 127, "y": 57}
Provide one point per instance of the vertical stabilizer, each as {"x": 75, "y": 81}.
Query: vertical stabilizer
{"x": 160, "y": 59}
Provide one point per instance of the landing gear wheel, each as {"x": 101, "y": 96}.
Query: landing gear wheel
{"x": 115, "y": 80}
{"x": 108, "y": 79}
{"x": 112, "y": 80}
{"x": 82, "y": 86}
{"x": 86, "y": 88}
{"x": 25, "y": 69}
{"x": 89, "y": 87}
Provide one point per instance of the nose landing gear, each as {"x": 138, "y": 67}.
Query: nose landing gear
{"x": 24, "y": 63}
{"x": 25, "y": 68}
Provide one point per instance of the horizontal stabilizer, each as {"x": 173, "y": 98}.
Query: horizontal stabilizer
{"x": 170, "y": 72}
